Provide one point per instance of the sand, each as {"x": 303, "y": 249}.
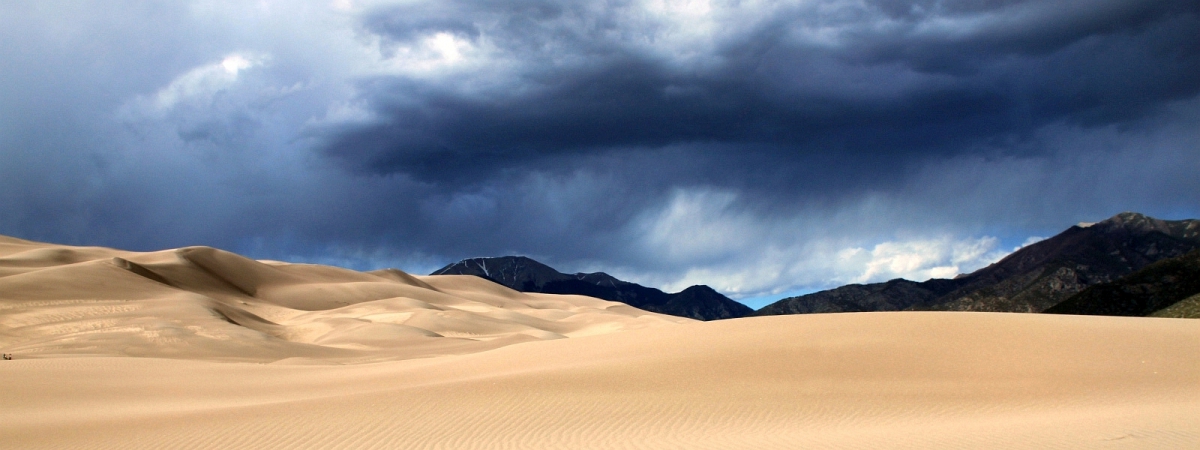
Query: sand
{"x": 198, "y": 348}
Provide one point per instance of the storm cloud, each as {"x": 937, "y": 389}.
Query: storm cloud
{"x": 758, "y": 147}
{"x": 874, "y": 78}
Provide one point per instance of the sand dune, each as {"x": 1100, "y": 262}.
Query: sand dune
{"x": 248, "y": 354}
{"x": 204, "y": 303}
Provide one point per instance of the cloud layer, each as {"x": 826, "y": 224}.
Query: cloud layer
{"x": 759, "y": 147}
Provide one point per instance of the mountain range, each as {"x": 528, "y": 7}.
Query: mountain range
{"x": 527, "y": 275}
{"x": 1034, "y": 278}
{"x": 1129, "y": 264}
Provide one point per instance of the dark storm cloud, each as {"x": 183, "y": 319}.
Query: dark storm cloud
{"x": 881, "y": 78}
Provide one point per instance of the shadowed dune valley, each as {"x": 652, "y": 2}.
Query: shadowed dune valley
{"x": 201, "y": 348}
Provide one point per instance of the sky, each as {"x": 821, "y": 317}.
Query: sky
{"x": 762, "y": 148}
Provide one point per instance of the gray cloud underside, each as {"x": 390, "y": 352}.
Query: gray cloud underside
{"x": 873, "y": 79}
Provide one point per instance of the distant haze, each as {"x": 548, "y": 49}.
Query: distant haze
{"x": 758, "y": 148}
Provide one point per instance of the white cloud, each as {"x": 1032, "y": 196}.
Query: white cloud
{"x": 745, "y": 253}
{"x": 200, "y": 84}
{"x": 435, "y": 58}
{"x": 447, "y": 46}
{"x": 918, "y": 260}
{"x": 235, "y": 63}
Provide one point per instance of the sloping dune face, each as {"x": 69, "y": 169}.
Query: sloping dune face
{"x": 204, "y": 303}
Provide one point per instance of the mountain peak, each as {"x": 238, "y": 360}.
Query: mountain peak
{"x": 700, "y": 288}
{"x": 1128, "y": 218}
{"x": 1134, "y": 222}
{"x": 527, "y": 275}
{"x": 482, "y": 262}
{"x": 517, "y": 272}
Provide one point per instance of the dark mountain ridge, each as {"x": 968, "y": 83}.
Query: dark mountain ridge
{"x": 527, "y": 275}
{"x": 1031, "y": 279}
